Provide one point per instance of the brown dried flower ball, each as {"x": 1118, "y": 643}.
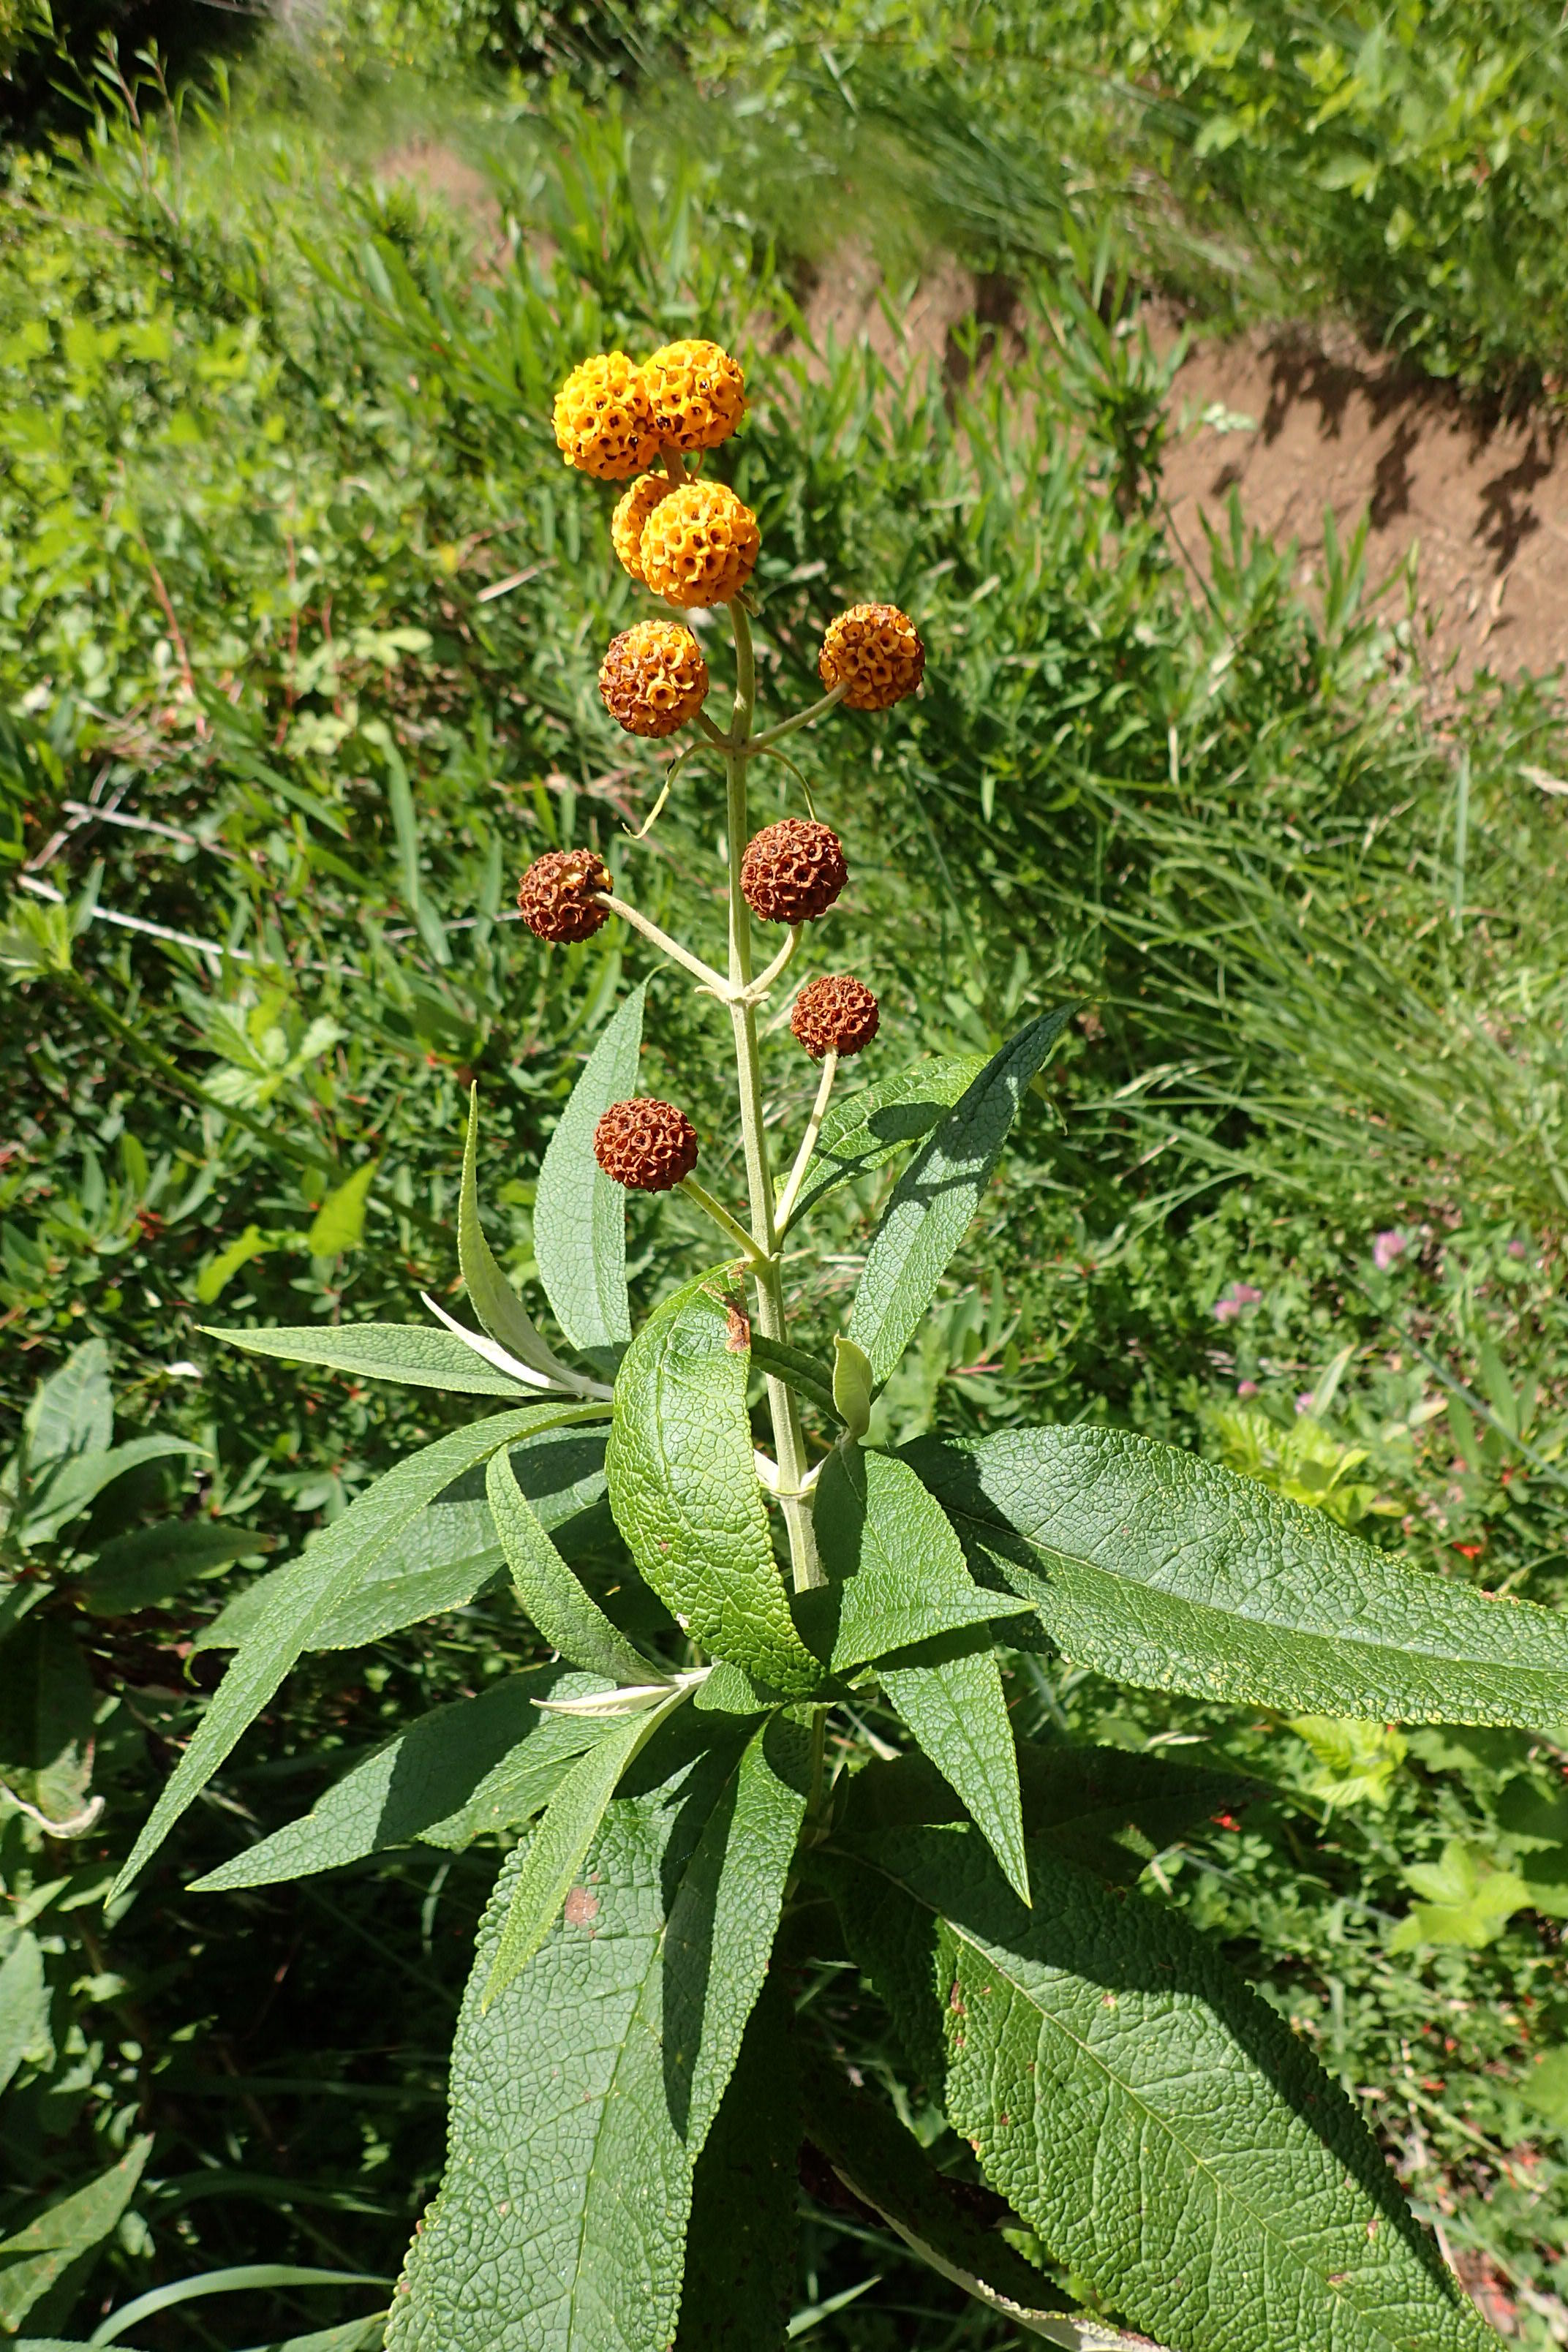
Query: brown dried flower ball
{"x": 654, "y": 679}
{"x": 556, "y": 895}
{"x": 604, "y": 425}
{"x": 876, "y": 651}
{"x": 632, "y": 511}
{"x": 646, "y": 1144}
{"x": 696, "y": 392}
{"x": 699, "y": 545}
{"x": 835, "y": 1014}
{"x": 793, "y": 871}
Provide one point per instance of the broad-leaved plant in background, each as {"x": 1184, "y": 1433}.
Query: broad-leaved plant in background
{"x": 708, "y": 1827}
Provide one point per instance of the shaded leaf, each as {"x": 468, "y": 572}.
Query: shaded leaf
{"x": 339, "y": 1561}
{"x": 33, "y": 2259}
{"x": 73, "y": 1411}
{"x": 684, "y": 1486}
{"x": 740, "y": 2247}
{"x": 83, "y": 1477}
{"x": 1152, "y": 1566}
{"x": 496, "y": 1305}
{"x": 480, "y": 1765}
{"x": 938, "y": 1194}
{"x": 151, "y": 1566}
{"x": 806, "y": 1374}
{"x": 46, "y": 1719}
{"x": 864, "y": 1131}
{"x": 579, "y": 1214}
{"x": 23, "y": 2006}
{"x": 571, "y": 1621}
{"x": 1154, "y": 2120}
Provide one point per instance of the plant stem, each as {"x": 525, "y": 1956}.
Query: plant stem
{"x": 802, "y": 718}
{"x": 728, "y": 1225}
{"x": 789, "y": 1444}
{"x": 662, "y": 940}
{"x": 790, "y": 1192}
{"x": 780, "y": 964}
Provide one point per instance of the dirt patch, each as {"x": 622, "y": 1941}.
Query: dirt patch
{"x": 1484, "y": 503}
{"x": 444, "y": 177}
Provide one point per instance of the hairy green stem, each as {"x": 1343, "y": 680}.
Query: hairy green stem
{"x": 791, "y": 1194}
{"x": 728, "y": 1225}
{"x": 789, "y": 1444}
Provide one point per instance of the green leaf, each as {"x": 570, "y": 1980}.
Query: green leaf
{"x": 241, "y": 2278}
{"x": 560, "y": 2221}
{"x": 741, "y": 2245}
{"x": 806, "y": 1374}
{"x": 569, "y": 1826}
{"x": 484, "y": 1764}
{"x": 339, "y": 1561}
{"x": 1154, "y": 2121}
{"x": 1468, "y": 1900}
{"x": 150, "y": 1567}
{"x": 571, "y": 1621}
{"x": 1151, "y": 1567}
{"x": 23, "y": 2006}
{"x": 1545, "y": 2088}
{"x": 1106, "y": 1808}
{"x": 579, "y": 1214}
{"x": 684, "y": 1485}
{"x": 885, "y": 2167}
{"x": 219, "y": 1272}
{"x": 80, "y": 1479}
{"x": 73, "y": 1411}
{"x": 853, "y": 1386}
{"x": 938, "y": 1194}
{"x": 33, "y": 2259}
{"x": 46, "y": 1719}
{"x": 895, "y": 1569}
{"x": 892, "y": 1560}
{"x": 339, "y": 1223}
{"x": 411, "y": 1353}
{"x": 863, "y": 1131}
{"x": 495, "y": 1302}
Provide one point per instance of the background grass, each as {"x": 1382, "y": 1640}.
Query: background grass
{"x": 273, "y": 424}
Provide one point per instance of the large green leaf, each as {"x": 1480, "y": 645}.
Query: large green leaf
{"x": 410, "y": 1353}
{"x": 1155, "y": 1567}
{"x": 1154, "y": 2121}
{"x": 892, "y": 1556}
{"x": 740, "y": 2246}
{"x": 33, "y": 2260}
{"x": 863, "y": 1131}
{"x": 560, "y": 2221}
{"x": 579, "y": 1214}
{"x": 80, "y": 1479}
{"x": 495, "y": 1302}
{"x": 484, "y": 1764}
{"x": 885, "y": 2167}
{"x": 684, "y": 1485}
{"x": 569, "y": 1621}
{"x": 938, "y": 1194}
{"x": 151, "y": 1566}
{"x": 895, "y": 1569}
{"x": 339, "y": 1559}
{"x": 441, "y": 1560}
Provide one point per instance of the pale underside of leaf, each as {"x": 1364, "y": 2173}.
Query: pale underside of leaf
{"x": 579, "y": 1214}
{"x": 409, "y": 1353}
{"x": 1155, "y": 1567}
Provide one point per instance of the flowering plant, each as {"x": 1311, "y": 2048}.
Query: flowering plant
{"x": 778, "y": 1753}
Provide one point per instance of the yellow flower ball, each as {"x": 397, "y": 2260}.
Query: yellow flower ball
{"x": 632, "y": 511}
{"x": 874, "y": 651}
{"x": 604, "y": 425}
{"x": 697, "y": 394}
{"x": 653, "y": 679}
{"x": 699, "y": 545}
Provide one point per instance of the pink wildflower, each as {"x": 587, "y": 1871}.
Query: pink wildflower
{"x": 1239, "y": 1295}
{"x": 1385, "y": 1248}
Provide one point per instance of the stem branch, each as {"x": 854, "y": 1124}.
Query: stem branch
{"x": 765, "y": 742}
{"x": 790, "y": 1192}
{"x": 665, "y": 944}
{"x": 728, "y": 1225}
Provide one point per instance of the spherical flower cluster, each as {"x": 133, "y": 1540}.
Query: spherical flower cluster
{"x": 646, "y": 1144}
{"x": 556, "y": 895}
{"x": 603, "y": 419}
{"x": 874, "y": 652}
{"x": 632, "y": 511}
{"x": 697, "y": 392}
{"x": 699, "y": 545}
{"x": 793, "y": 871}
{"x": 654, "y": 679}
{"x": 835, "y": 1014}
